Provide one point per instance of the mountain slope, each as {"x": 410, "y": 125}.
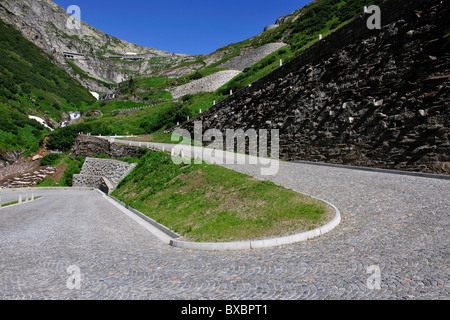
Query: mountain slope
{"x": 376, "y": 98}
{"x": 32, "y": 85}
{"x": 45, "y": 24}
{"x": 255, "y": 57}
{"x": 296, "y": 30}
{"x": 261, "y": 54}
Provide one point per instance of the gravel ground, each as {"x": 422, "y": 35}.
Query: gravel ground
{"x": 207, "y": 84}
{"x": 394, "y": 233}
{"x": 17, "y": 169}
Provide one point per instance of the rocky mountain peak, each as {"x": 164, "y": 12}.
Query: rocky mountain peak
{"x": 46, "y": 24}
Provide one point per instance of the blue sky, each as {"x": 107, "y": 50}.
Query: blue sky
{"x": 183, "y": 26}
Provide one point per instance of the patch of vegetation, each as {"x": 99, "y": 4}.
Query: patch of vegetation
{"x": 142, "y": 122}
{"x": 64, "y": 138}
{"x": 73, "y": 167}
{"x": 150, "y": 120}
{"x": 16, "y": 202}
{"x": 47, "y": 182}
{"x": 51, "y": 159}
{"x": 154, "y": 82}
{"x": 169, "y": 117}
{"x": 29, "y": 76}
{"x": 211, "y": 203}
{"x": 18, "y": 132}
{"x": 161, "y": 95}
{"x": 148, "y": 89}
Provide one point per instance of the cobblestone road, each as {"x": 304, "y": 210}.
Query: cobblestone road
{"x": 399, "y": 225}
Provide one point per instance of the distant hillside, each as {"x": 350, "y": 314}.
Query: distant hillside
{"x": 98, "y": 57}
{"x": 31, "y": 84}
{"x": 262, "y": 54}
{"x": 297, "y": 30}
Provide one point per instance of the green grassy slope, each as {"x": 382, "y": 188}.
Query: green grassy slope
{"x": 28, "y": 76}
{"x": 18, "y": 132}
{"x": 211, "y": 203}
{"x": 30, "y": 84}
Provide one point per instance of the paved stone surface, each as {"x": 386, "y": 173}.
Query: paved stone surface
{"x": 399, "y": 224}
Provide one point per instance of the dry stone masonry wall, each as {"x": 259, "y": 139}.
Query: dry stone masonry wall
{"x": 103, "y": 174}
{"x": 98, "y": 182}
{"x": 88, "y": 146}
{"x": 235, "y": 65}
{"x": 376, "y": 98}
{"x": 114, "y": 170}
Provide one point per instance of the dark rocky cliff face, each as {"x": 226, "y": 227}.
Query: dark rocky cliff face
{"x": 381, "y": 101}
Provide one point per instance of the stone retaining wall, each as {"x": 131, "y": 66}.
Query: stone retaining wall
{"x": 248, "y": 59}
{"x": 114, "y": 170}
{"x": 98, "y": 182}
{"x": 207, "y": 84}
{"x": 88, "y": 146}
{"x": 103, "y": 174}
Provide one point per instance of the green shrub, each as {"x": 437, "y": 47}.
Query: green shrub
{"x": 74, "y": 167}
{"x": 50, "y": 159}
{"x": 64, "y": 138}
{"x": 166, "y": 118}
{"x": 195, "y": 76}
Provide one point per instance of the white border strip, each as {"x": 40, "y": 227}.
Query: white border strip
{"x": 152, "y": 229}
{"x": 267, "y": 243}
